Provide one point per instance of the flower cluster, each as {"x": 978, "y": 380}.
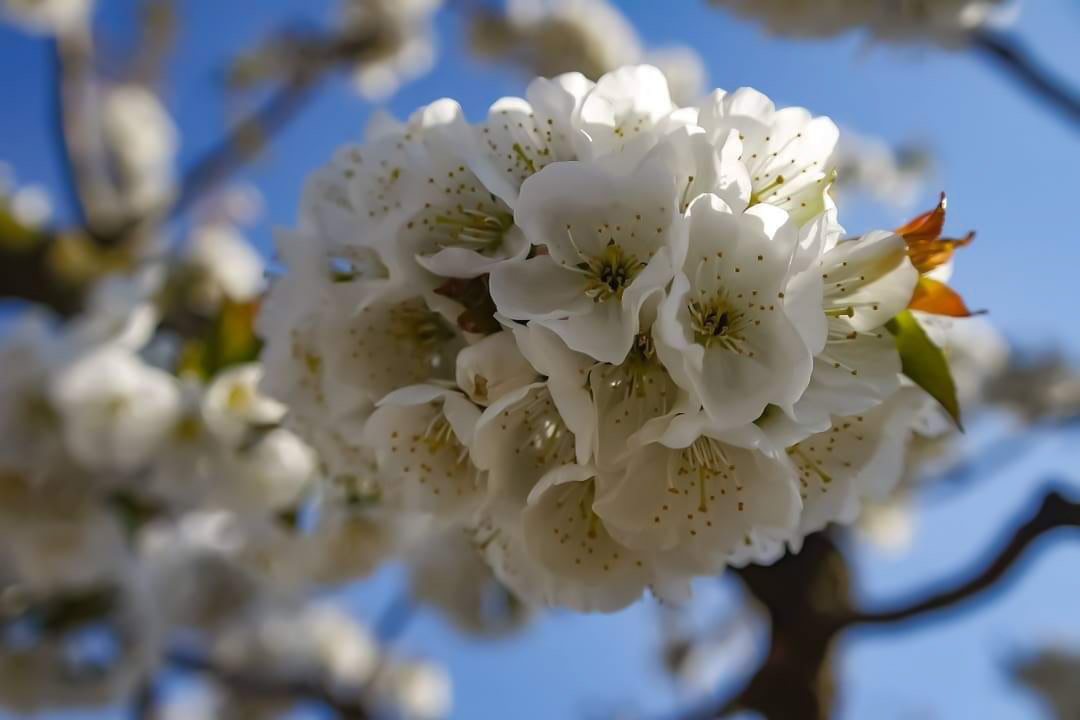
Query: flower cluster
{"x": 144, "y": 499}
{"x": 620, "y": 342}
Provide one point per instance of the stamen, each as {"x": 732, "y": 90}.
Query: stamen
{"x": 417, "y": 324}
{"x": 478, "y": 229}
{"x": 610, "y": 273}
{"x": 758, "y": 196}
{"x": 810, "y": 463}
{"x": 714, "y": 322}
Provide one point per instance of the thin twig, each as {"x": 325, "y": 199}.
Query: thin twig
{"x": 313, "y": 58}
{"x": 1054, "y": 512}
{"x": 242, "y": 143}
{"x": 1012, "y": 57}
{"x": 72, "y": 58}
{"x": 252, "y": 683}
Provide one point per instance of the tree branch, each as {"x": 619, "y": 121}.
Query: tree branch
{"x": 1014, "y": 59}
{"x": 252, "y": 683}
{"x": 311, "y": 59}
{"x": 243, "y": 142}
{"x": 1054, "y": 512}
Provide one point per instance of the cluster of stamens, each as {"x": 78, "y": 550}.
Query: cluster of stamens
{"x": 714, "y": 322}
{"x": 610, "y": 273}
{"x": 477, "y": 229}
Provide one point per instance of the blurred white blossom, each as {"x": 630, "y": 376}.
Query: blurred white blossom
{"x": 405, "y": 42}
{"x": 225, "y": 265}
{"x": 116, "y": 410}
{"x": 48, "y": 16}
{"x": 941, "y": 21}
{"x": 593, "y": 37}
{"x": 867, "y": 166}
{"x": 142, "y": 137}
{"x": 419, "y": 690}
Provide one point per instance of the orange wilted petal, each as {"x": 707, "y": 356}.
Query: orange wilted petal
{"x": 928, "y": 226}
{"x": 937, "y": 298}
{"x": 926, "y": 248}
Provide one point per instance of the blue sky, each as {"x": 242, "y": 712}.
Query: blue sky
{"x": 1009, "y": 166}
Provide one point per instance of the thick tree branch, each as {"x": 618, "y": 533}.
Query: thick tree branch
{"x": 1054, "y": 512}
{"x": 1015, "y": 60}
{"x": 253, "y": 683}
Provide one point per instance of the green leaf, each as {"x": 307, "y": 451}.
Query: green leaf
{"x": 924, "y": 363}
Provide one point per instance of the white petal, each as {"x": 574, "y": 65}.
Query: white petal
{"x": 493, "y": 367}
{"x": 565, "y": 535}
{"x": 538, "y": 289}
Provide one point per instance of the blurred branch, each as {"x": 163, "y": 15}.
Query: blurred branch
{"x": 311, "y": 58}
{"x": 1054, "y": 512}
{"x": 253, "y": 683}
{"x": 28, "y": 272}
{"x": 1014, "y": 59}
{"x": 157, "y": 31}
{"x": 73, "y": 63}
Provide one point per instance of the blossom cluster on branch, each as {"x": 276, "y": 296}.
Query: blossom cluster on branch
{"x": 608, "y": 339}
{"x": 621, "y": 342}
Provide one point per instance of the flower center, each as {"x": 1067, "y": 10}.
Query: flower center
{"x": 439, "y": 435}
{"x": 480, "y": 229}
{"x": 705, "y": 458}
{"x": 635, "y": 374}
{"x": 548, "y": 438}
{"x": 415, "y": 323}
{"x": 714, "y": 322}
{"x": 610, "y": 273}
{"x": 760, "y": 196}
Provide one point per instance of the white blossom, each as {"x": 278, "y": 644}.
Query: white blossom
{"x": 49, "y": 16}
{"x": 143, "y": 138}
{"x": 115, "y": 410}
{"x": 418, "y": 690}
{"x": 226, "y": 264}
{"x": 233, "y": 404}
{"x": 593, "y": 37}
{"x": 612, "y": 241}
{"x": 868, "y": 166}
{"x": 315, "y": 641}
